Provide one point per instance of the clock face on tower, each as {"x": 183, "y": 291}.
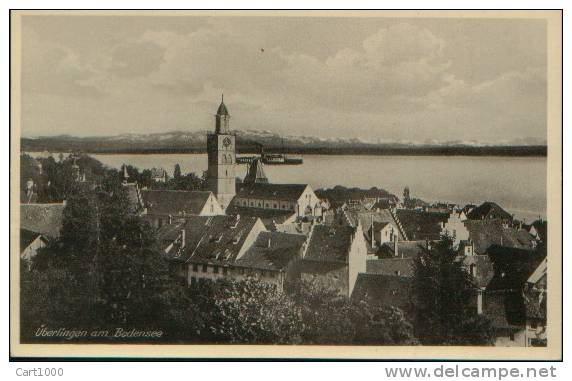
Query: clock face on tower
{"x": 226, "y": 142}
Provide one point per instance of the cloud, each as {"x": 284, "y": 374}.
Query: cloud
{"x": 396, "y": 82}
{"x": 50, "y": 68}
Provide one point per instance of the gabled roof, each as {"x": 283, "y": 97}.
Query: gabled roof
{"x": 329, "y": 243}
{"x": 269, "y": 217}
{"x": 485, "y": 233}
{"x": 26, "y": 238}
{"x": 279, "y": 192}
{"x": 489, "y": 210}
{"x": 174, "y": 202}
{"x": 365, "y": 217}
{"x": 420, "y": 225}
{"x": 391, "y": 266}
{"x": 272, "y": 251}
{"x": 46, "y": 219}
{"x": 541, "y": 228}
{"x": 214, "y": 239}
{"x": 512, "y": 267}
{"x": 405, "y": 249}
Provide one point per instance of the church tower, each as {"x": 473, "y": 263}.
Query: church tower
{"x": 221, "y": 148}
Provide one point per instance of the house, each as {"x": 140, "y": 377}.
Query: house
{"x": 455, "y": 228}
{"x": 273, "y": 219}
{"x": 397, "y": 258}
{"x": 232, "y": 247}
{"x": 535, "y": 301}
{"x": 484, "y": 233}
{"x": 30, "y": 243}
{"x": 163, "y": 205}
{"x": 205, "y": 247}
{"x": 539, "y": 230}
{"x": 507, "y": 298}
{"x": 297, "y": 198}
{"x": 334, "y": 257}
{"x": 489, "y": 211}
{"x": 45, "y": 219}
{"x": 158, "y": 175}
{"x": 420, "y": 225}
{"x": 383, "y": 290}
{"x": 273, "y": 258}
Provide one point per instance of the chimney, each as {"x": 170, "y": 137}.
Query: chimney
{"x": 183, "y": 240}
{"x": 170, "y": 219}
{"x": 269, "y": 243}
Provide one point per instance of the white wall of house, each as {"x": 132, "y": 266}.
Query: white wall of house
{"x": 388, "y": 233}
{"x": 456, "y": 228}
{"x": 356, "y": 258}
{"x": 308, "y": 201}
{"x": 212, "y": 207}
{"x": 196, "y": 272}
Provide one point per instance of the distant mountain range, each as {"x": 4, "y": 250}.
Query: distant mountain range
{"x": 250, "y": 141}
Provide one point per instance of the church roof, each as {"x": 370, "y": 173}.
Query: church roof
{"x": 282, "y": 192}
{"x": 255, "y": 173}
{"x": 222, "y": 109}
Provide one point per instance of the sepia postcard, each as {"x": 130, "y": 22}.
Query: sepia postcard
{"x": 286, "y": 184}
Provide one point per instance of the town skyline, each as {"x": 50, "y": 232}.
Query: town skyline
{"x": 430, "y": 89}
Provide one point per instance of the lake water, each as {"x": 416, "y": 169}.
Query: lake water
{"x": 516, "y": 183}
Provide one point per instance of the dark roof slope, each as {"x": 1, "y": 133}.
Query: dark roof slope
{"x": 419, "y": 225}
{"x": 329, "y": 243}
{"x": 489, "y": 210}
{"x": 282, "y": 192}
{"x": 46, "y": 219}
{"x": 174, "y": 202}
{"x": 272, "y": 251}
{"x": 485, "y": 233}
{"x": 512, "y": 267}
{"x": 269, "y": 217}
{"x": 222, "y": 110}
{"x": 383, "y": 290}
{"x": 26, "y": 238}
{"x": 391, "y": 266}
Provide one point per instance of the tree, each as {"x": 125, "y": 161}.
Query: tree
{"x": 443, "y": 300}
{"x": 177, "y": 172}
{"x": 255, "y": 312}
{"x": 330, "y": 318}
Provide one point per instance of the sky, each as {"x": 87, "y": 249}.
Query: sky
{"x": 376, "y": 79}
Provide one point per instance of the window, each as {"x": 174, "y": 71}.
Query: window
{"x": 193, "y": 281}
{"x": 397, "y": 272}
{"x": 533, "y": 325}
{"x": 215, "y": 269}
{"x": 275, "y": 206}
{"x": 224, "y": 271}
{"x": 195, "y": 267}
{"x": 511, "y": 336}
{"x": 205, "y": 268}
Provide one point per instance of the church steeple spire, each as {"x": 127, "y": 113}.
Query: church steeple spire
{"x": 222, "y": 118}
